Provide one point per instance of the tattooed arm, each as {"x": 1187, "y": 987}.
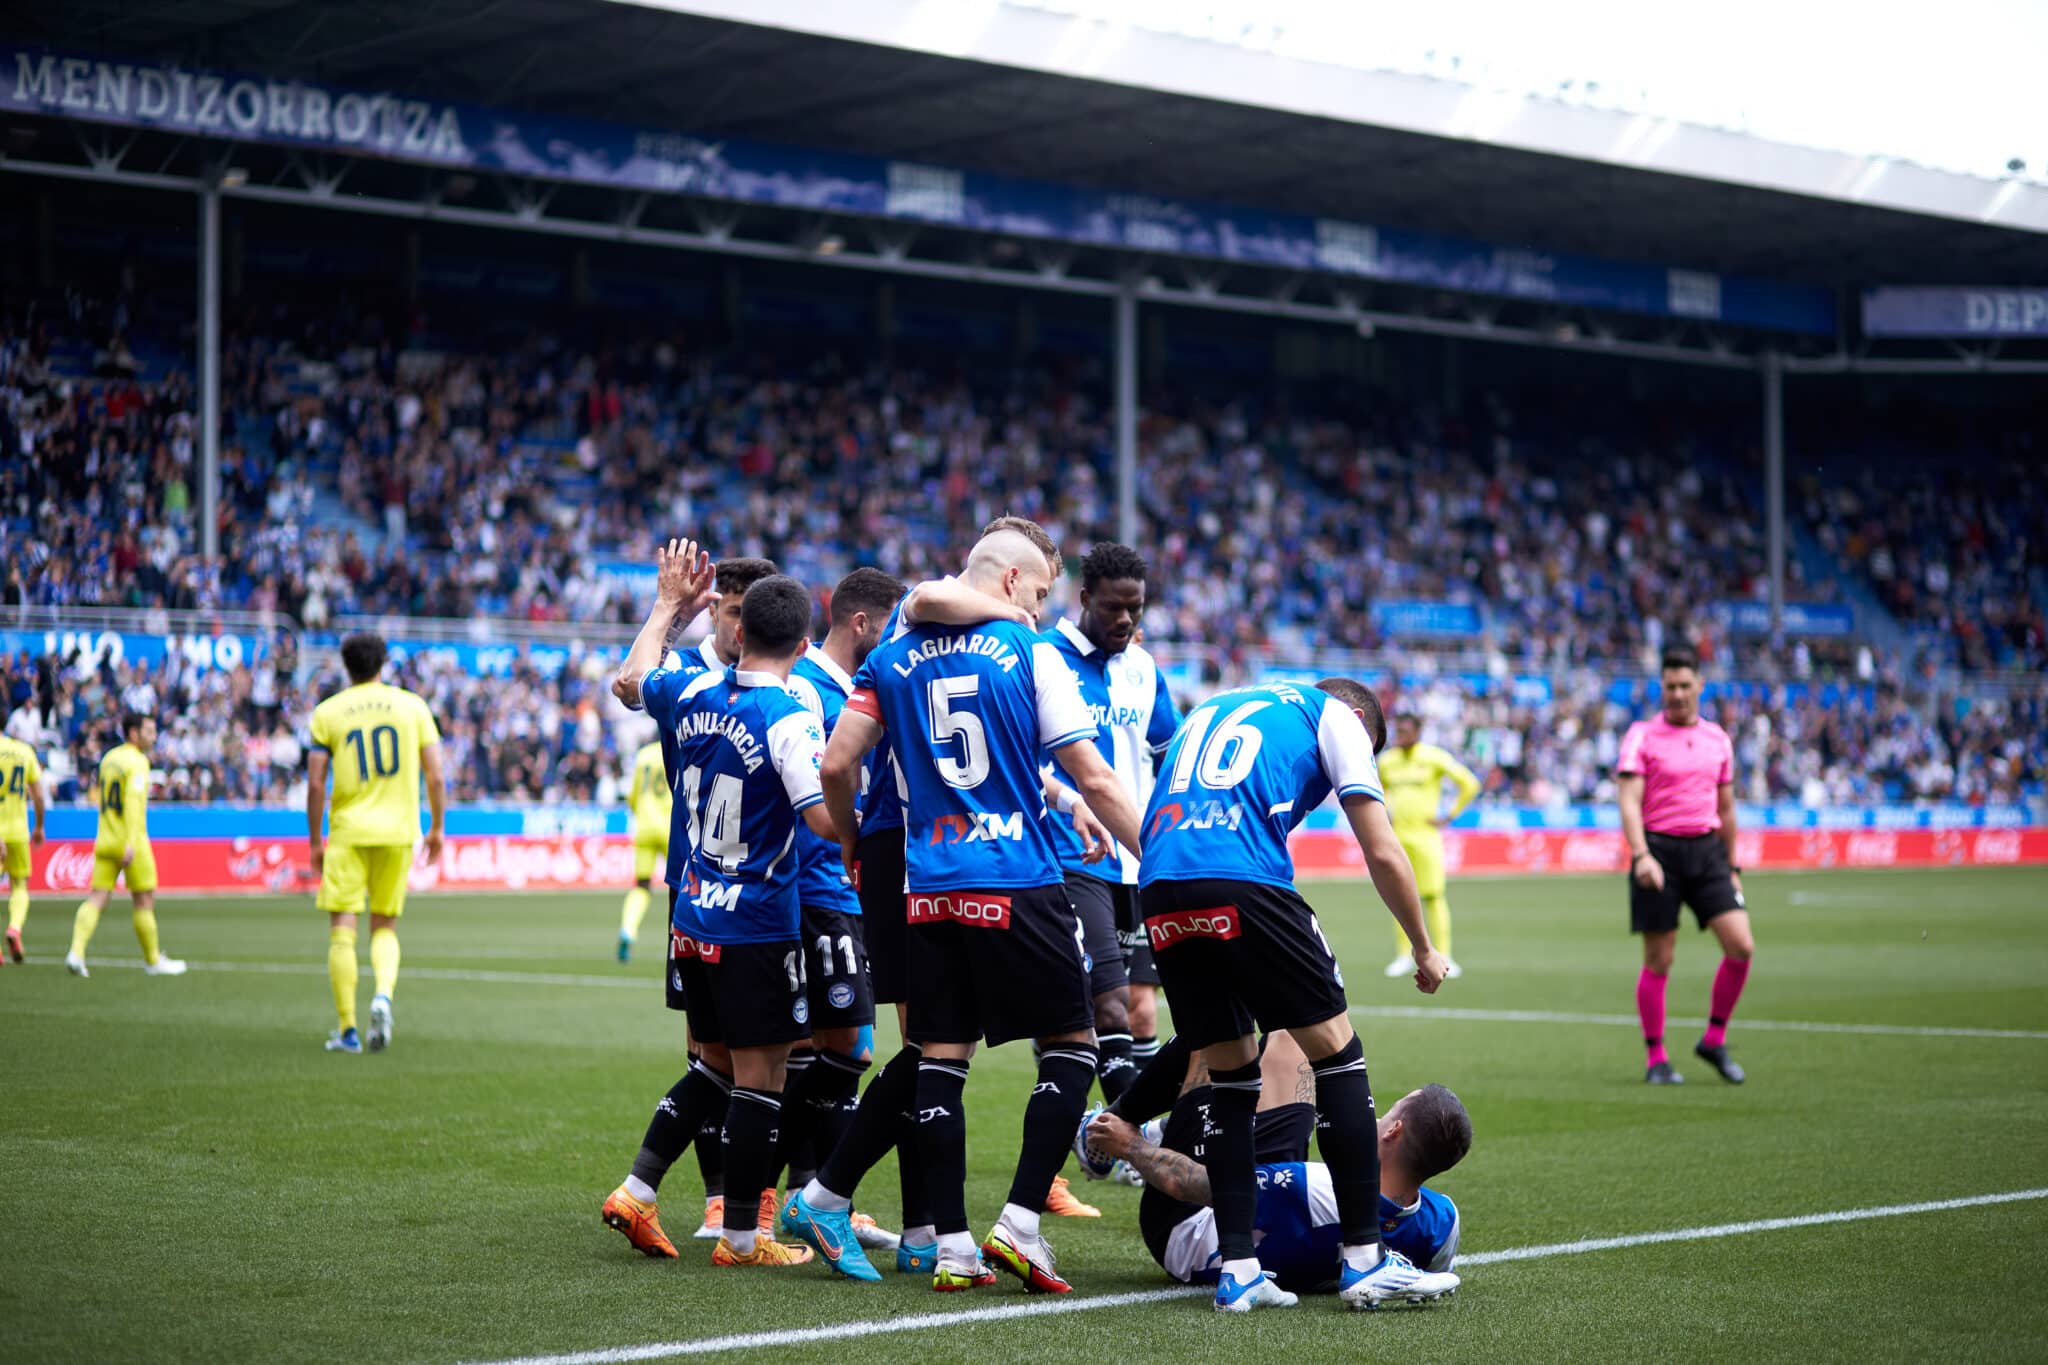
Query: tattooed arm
{"x": 1167, "y": 1171}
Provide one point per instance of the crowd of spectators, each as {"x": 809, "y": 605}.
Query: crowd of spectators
{"x": 1964, "y": 559}
{"x": 239, "y": 734}
{"x": 368, "y": 474}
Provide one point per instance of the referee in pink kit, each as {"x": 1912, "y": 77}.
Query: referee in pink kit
{"x": 1677, "y": 776}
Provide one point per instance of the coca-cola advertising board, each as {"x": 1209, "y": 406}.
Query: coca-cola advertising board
{"x": 595, "y": 861}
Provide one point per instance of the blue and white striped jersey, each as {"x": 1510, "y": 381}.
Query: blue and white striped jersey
{"x": 748, "y": 755}
{"x": 968, "y": 710}
{"x": 822, "y": 686}
{"x": 1134, "y": 718}
{"x": 1299, "y": 1237}
{"x": 702, "y": 659}
{"x": 880, "y": 805}
{"x": 1245, "y": 768}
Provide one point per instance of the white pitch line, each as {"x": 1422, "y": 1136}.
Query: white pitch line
{"x": 1805, "y": 1220}
{"x": 1740, "y": 1025}
{"x": 1476, "y": 1016}
{"x": 1034, "y": 1308}
{"x": 640, "y": 983}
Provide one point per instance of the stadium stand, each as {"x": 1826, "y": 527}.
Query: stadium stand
{"x": 496, "y": 474}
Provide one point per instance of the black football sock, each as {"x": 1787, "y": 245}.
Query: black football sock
{"x": 794, "y": 1146}
{"x": 1050, "y": 1117}
{"x": 876, "y": 1124}
{"x": 750, "y": 1124}
{"x": 1157, "y": 1085}
{"x": 1118, "y": 1071}
{"x": 942, "y": 1141}
{"x": 710, "y": 1147}
{"x": 1348, "y": 1133}
{"x": 1144, "y": 1048}
{"x": 697, "y": 1099}
{"x": 909, "y": 1174}
{"x": 835, "y": 1094}
{"x": 1233, "y": 1178}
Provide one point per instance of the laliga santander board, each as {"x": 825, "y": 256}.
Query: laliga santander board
{"x": 605, "y": 861}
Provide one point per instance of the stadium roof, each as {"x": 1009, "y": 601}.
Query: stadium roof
{"x": 713, "y": 75}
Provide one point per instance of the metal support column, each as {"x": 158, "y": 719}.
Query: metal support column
{"x": 1774, "y": 485}
{"x": 209, "y": 364}
{"x": 1127, "y": 413}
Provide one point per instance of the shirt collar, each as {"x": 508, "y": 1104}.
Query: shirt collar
{"x": 831, "y": 669}
{"x": 707, "y": 648}
{"x": 1081, "y": 641}
{"x": 754, "y": 677}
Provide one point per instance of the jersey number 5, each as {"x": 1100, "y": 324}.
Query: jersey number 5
{"x": 969, "y": 767}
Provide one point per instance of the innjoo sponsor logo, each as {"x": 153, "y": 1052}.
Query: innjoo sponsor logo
{"x": 70, "y": 868}
{"x": 681, "y": 945}
{"x": 1222, "y": 921}
{"x": 992, "y": 912}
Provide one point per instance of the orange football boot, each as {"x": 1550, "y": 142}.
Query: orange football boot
{"x": 767, "y": 1251}
{"x": 1062, "y": 1201}
{"x": 637, "y": 1221}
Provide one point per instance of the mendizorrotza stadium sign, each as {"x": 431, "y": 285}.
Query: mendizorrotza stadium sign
{"x": 294, "y": 113}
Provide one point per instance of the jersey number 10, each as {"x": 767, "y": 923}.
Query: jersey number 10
{"x": 373, "y": 754}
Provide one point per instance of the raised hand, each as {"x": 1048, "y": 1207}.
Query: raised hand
{"x": 684, "y": 575}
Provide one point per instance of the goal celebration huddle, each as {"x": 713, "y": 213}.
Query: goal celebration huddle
{"x": 1009, "y": 834}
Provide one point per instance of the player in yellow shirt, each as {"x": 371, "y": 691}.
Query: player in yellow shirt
{"x": 21, "y": 786}
{"x": 378, "y": 741}
{"x": 121, "y": 851}
{"x": 1412, "y": 774}
{"x": 651, "y": 799}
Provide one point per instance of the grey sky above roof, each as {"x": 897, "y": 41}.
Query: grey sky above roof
{"x": 658, "y": 68}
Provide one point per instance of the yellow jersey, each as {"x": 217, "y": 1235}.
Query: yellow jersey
{"x": 19, "y": 774}
{"x": 374, "y": 734}
{"x": 650, "y": 796}
{"x": 124, "y": 801}
{"x": 1413, "y": 780}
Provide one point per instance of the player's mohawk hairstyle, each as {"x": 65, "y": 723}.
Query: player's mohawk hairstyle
{"x": 1033, "y": 532}
{"x": 1109, "y": 560}
{"x": 1359, "y": 698}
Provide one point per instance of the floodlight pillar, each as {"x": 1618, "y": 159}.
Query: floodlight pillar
{"x": 1127, "y": 412}
{"x": 1774, "y": 485}
{"x": 209, "y": 364}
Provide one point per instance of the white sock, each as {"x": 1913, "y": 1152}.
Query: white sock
{"x": 823, "y": 1200}
{"x": 1022, "y": 1221}
{"x": 1244, "y": 1271}
{"x": 639, "y": 1189}
{"x": 1363, "y": 1256}
{"x": 958, "y": 1244}
{"x": 742, "y": 1242}
{"x": 924, "y": 1234}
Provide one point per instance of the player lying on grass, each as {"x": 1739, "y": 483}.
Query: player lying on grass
{"x": 1424, "y": 1134}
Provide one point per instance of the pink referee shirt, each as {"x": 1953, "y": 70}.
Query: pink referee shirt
{"x": 1682, "y": 767}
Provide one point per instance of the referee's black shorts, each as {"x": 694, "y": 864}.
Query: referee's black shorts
{"x": 1696, "y": 873}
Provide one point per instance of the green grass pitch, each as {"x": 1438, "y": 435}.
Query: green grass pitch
{"x": 186, "y": 1175}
